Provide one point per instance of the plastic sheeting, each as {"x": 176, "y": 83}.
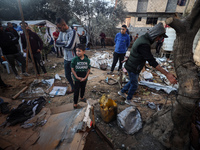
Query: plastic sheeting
{"x": 158, "y": 86}
{"x": 130, "y": 120}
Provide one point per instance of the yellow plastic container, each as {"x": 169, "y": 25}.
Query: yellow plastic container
{"x": 108, "y": 109}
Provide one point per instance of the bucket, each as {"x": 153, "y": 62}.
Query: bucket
{"x": 108, "y": 109}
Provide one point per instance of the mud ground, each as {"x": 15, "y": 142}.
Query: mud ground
{"x": 94, "y": 90}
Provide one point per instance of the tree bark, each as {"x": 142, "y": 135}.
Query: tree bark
{"x": 186, "y": 70}
{"x": 172, "y": 128}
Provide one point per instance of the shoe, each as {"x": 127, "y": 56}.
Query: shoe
{"x": 26, "y": 74}
{"x": 110, "y": 73}
{"x": 75, "y": 106}
{"x": 69, "y": 92}
{"x": 83, "y": 100}
{"x": 121, "y": 94}
{"x": 18, "y": 77}
{"x": 128, "y": 102}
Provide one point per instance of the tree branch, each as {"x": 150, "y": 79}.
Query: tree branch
{"x": 193, "y": 18}
{"x": 175, "y": 23}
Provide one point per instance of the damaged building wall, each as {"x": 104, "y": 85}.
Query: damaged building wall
{"x": 157, "y": 6}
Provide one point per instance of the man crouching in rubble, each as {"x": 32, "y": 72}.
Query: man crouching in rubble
{"x": 139, "y": 54}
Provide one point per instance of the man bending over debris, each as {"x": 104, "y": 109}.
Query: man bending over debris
{"x": 67, "y": 39}
{"x": 140, "y": 53}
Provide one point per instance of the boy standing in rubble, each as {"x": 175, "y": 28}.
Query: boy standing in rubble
{"x": 80, "y": 66}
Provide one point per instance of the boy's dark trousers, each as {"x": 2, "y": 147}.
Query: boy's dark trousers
{"x": 79, "y": 86}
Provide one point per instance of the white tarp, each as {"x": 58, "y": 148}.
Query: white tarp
{"x": 103, "y": 58}
{"x": 158, "y": 86}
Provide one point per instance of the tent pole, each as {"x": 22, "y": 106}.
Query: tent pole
{"x": 27, "y": 40}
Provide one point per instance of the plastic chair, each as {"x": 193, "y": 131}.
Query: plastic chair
{"x": 7, "y": 66}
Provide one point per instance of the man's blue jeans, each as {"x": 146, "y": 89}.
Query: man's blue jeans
{"x": 131, "y": 86}
{"x": 67, "y": 66}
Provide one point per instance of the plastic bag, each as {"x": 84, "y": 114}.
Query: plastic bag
{"x": 130, "y": 120}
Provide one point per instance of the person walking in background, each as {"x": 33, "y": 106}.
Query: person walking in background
{"x": 136, "y": 37}
{"x": 58, "y": 49}
{"x": 67, "y": 39}
{"x": 75, "y": 28}
{"x": 122, "y": 42}
{"x": 80, "y": 66}
{"x": 46, "y": 38}
{"x": 103, "y": 37}
{"x": 82, "y": 38}
{"x": 8, "y": 44}
{"x": 139, "y": 54}
{"x": 36, "y": 47}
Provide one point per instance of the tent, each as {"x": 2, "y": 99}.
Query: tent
{"x": 48, "y": 24}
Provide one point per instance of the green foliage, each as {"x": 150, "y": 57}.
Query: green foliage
{"x": 41, "y": 31}
{"x": 95, "y": 16}
{"x": 35, "y": 9}
{"x": 8, "y": 9}
{"x": 98, "y": 16}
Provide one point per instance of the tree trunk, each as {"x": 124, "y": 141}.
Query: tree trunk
{"x": 189, "y": 91}
{"x": 172, "y": 127}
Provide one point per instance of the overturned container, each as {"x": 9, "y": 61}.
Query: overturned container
{"x": 108, "y": 109}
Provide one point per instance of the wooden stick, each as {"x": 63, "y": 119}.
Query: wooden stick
{"x": 24, "y": 89}
{"x": 27, "y": 40}
{"x": 93, "y": 120}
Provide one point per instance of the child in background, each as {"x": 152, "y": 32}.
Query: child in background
{"x": 80, "y": 66}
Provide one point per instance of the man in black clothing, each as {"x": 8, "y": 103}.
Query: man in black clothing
{"x": 10, "y": 51}
{"x": 82, "y": 38}
{"x": 103, "y": 37}
{"x": 36, "y": 47}
{"x": 12, "y": 30}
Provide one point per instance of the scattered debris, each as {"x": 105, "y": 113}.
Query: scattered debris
{"x": 130, "y": 120}
{"x": 103, "y": 66}
{"x": 25, "y": 111}
{"x": 58, "y": 90}
{"x": 151, "y": 105}
{"x": 158, "y": 86}
{"x": 57, "y": 77}
{"x": 111, "y": 81}
{"x": 38, "y": 88}
{"x": 24, "y": 89}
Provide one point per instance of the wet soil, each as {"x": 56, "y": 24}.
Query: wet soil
{"x": 96, "y": 87}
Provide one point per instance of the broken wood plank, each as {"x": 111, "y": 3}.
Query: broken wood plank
{"x": 24, "y": 89}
